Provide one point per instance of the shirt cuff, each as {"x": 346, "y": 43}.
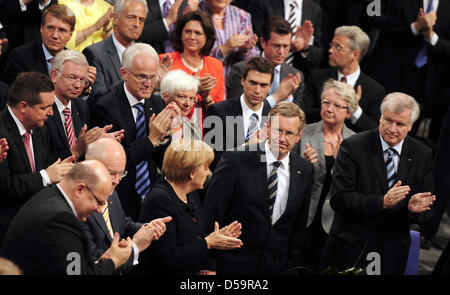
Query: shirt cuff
{"x": 23, "y": 7}
{"x": 271, "y": 101}
{"x": 136, "y": 254}
{"x": 413, "y": 30}
{"x": 165, "y": 24}
{"x": 356, "y": 115}
{"x": 42, "y": 7}
{"x": 434, "y": 39}
{"x": 45, "y": 179}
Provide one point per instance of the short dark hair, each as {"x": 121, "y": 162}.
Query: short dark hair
{"x": 61, "y": 12}
{"x": 276, "y": 24}
{"x": 259, "y": 64}
{"x": 27, "y": 87}
{"x": 207, "y": 25}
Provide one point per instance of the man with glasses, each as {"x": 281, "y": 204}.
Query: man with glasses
{"x": 47, "y": 238}
{"x": 67, "y": 127}
{"x": 348, "y": 47}
{"x": 268, "y": 189}
{"x": 58, "y": 23}
{"x": 145, "y": 119}
{"x": 101, "y": 226}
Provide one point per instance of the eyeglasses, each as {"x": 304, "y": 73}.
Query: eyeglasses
{"x": 338, "y": 47}
{"x": 142, "y": 77}
{"x": 52, "y": 29}
{"x": 121, "y": 174}
{"x": 74, "y": 80}
{"x": 100, "y": 203}
{"x": 335, "y": 106}
{"x": 287, "y": 134}
{"x": 184, "y": 98}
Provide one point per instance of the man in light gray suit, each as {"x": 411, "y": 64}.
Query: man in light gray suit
{"x": 287, "y": 83}
{"x": 106, "y": 56}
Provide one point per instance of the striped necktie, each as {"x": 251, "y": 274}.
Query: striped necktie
{"x": 390, "y": 168}
{"x": 142, "y": 184}
{"x": 105, "y": 213}
{"x": 252, "y": 127}
{"x": 422, "y": 56}
{"x": 292, "y": 20}
{"x": 273, "y": 186}
{"x": 69, "y": 127}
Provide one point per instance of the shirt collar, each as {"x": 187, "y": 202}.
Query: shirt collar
{"x": 67, "y": 200}
{"x": 270, "y": 158}
{"x": 119, "y": 47}
{"x": 385, "y": 146}
{"x": 247, "y": 112}
{"x": 61, "y": 106}
{"x": 352, "y": 78}
{"x": 131, "y": 99}
{"x": 22, "y": 129}
{"x": 46, "y": 53}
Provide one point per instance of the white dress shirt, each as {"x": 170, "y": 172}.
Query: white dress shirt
{"x": 351, "y": 80}
{"x": 395, "y": 156}
{"x": 247, "y": 113}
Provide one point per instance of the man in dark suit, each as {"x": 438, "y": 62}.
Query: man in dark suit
{"x": 58, "y": 23}
{"x": 306, "y": 49}
{"x": 132, "y": 107}
{"x": 267, "y": 189}
{"x": 276, "y": 43}
{"x": 349, "y": 46}
{"x": 158, "y": 25}
{"x": 47, "y": 238}
{"x": 417, "y": 59}
{"x": 236, "y": 120}
{"x": 100, "y": 227}
{"x": 106, "y": 56}
{"x": 382, "y": 182}
{"x": 67, "y": 127}
{"x": 28, "y": 167}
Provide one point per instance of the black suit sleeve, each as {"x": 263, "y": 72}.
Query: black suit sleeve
{"x": 233, "y": 83}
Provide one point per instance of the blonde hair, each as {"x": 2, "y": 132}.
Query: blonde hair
{"x": 183, "y": 156}
{"x": 344, "y": 91}
{"x": 289, "y": 110}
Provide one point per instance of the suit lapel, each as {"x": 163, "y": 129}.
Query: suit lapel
{"x": 56, "y": 119}
{"x": 76, "y": 120}
{"x": 127, "y": 120}
{"x": 41, "y": 61}
{"x": 375, "y": 154}
{"x": 405, "y": 162}
{"x": 113, "y": 56}
{"x": 260, "y": 178}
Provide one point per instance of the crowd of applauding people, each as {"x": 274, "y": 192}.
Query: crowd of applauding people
{"x": 188, "y": 137}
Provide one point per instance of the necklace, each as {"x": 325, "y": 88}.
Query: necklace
{"x": 218, "y": 17}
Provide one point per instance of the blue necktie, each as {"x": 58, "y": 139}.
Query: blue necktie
{"x": 275, "y": 83}
{"x": 252, "y": 127}
{"x": 390, "y": 168}
{"x": 422, "y": 56}
{"x": 142, "y": 184}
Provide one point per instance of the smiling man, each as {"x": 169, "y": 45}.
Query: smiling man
{"x": 267, "y": 188}
{"x": 382, "y": 182}
{"x": 58, "y": 23}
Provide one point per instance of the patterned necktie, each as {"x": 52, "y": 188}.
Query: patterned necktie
{"x": 142, "y": 184}
{"x": 252, "y": 127}
{"x": 275, "y": 83}
{"x": 292, "y": 20}
{"x": 69, "y": 127}
{"x": 422, "y": 56}
{"x": 27, "y": 143}
{"x": 390, "y": 168}
{"x": 273, "y": 186}
{"x": 166, "y": 9}
{"x": 105, "y": 213}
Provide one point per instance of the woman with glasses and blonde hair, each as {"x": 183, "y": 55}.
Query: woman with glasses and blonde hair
{"x": 319, "y": 144}
{"x": 183, "y": 249}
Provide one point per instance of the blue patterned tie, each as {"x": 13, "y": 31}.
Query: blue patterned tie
{"x": 390, "y": 168}
{"x": 273, "y": 186}
{"x": 422, "y": 56}
{"x": 142, "y": 184}
{"x": 276, "y": 82}
{"x": 252, "y": 127}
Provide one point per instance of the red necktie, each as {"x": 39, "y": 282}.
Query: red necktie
{"x": 69, "y": 127}
{"x": 27, "y": 143}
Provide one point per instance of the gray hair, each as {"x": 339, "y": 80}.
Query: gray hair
{"x": 178, "y": 80}
{"x": 119, "y": 6}
{"x": 357, "y": 38}
{"x": 344, "y": 91}
{"x": 130, "y": 53}
{"x": 398, "y": 102}
{"x": 69, "y": 55}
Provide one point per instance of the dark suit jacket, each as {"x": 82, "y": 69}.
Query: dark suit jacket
{"x": 44, "y": 235}
{"x": 114, "y": 108}
{"x": 17, "y": 182}
{"x": 372, "y": 95}
{"x": 238, "y": 191}
{"x": 231, "y": 136}
{"x": 58, "y": 139}
{"x": 98, "y": 235}
{"x": 103, "y": 56}
{"x": 262, "y": 10}
{"x": 26, "y": 58}
{"x": 3, "y": 95}
{"x": 182, "y": 249}
{"x": 235, "y": 89}
{"x": 358, "y": 186}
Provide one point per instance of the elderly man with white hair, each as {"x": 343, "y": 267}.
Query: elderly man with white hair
{"x": 382, "y": 182}
{"x": 145, "y": 119}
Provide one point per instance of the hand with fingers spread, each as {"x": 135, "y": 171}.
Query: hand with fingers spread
{"x": 119, "y": 252}
{"x": 192, "y": 5}
{"x": 258, "y": 136}
{"x": 421, "y": 202}
{"x": 165, "y": 64}
{"x": 233, "y": 229}
{"x": 288, "y": 86}
{"x": 310, "y": 154}
{"x": 219, "y": 240}
{"x": 84, "y": 139}
{"x": 395, "y": 195}
{"x": 59, "y": 169}
{"x": 149, "y": 232}
{"x": 3, "y": 149}
{"x": 303, "y": 36}
{"x": 160, "y": 125}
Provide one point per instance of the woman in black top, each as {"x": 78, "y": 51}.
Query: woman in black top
{"x": 183, "y": 247}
